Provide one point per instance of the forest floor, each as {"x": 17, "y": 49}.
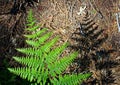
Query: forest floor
{"x": 61, "y": 17}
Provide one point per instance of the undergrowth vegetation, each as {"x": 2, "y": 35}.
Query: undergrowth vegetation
{"x": 23, "y": 46}
{"x": 42, "y": 64}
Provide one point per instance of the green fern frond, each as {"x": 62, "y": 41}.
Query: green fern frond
{"x": 36, "y": 34}
{"x": 73, "y": 79}
{"x": 52, "y": 56}
{"x": 31, "y": 28}
{"x": 39, "y": 41}
{"x": 34, "y": 62}
{"x": 60, "y": 65}
{"x": 42, "y": 64}
{"x": 46, "y": 47}
{"x": 33, "y": 43}
{"x": 25, "y": 73}
{"x": 30, "y": 51}
{"x": 30, "y": 17}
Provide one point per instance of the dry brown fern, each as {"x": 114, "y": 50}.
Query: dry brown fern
{"x": 88, "y": 40}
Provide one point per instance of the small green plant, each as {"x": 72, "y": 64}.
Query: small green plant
{"x": 42, "y": 64}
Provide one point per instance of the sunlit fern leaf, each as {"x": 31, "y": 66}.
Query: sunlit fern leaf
{"x": 39, "y": 41}
{"x": 31, "y": 22}
{"x": 34, "y": 62}
{"x": 30, "y": 51}
{"x": 26, "y": 73}
{"x": 36, "y": 34}
{"x": 60, "y": 65}
{"x": 23, "y": 72}
{"x": 44, "y": 38}
{"x": 42, "y": 62}
{"x": 33, "y": 43}
{"x": 30, "y": 17}
{"x": 32, "y": 27}
{"x": 70, "y": 79}
{"x": 52, "y": 56}
{"x": 48, "y": 45}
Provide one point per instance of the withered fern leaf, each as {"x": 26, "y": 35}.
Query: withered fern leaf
{"x": 88, "y": 40}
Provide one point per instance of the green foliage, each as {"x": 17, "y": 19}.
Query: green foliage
{"x": 42, "y": 64}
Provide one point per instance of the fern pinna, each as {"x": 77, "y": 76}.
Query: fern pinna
{"x": 43, "y": 64}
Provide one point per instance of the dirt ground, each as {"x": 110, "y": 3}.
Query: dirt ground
{"x": 61, "y": 17}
